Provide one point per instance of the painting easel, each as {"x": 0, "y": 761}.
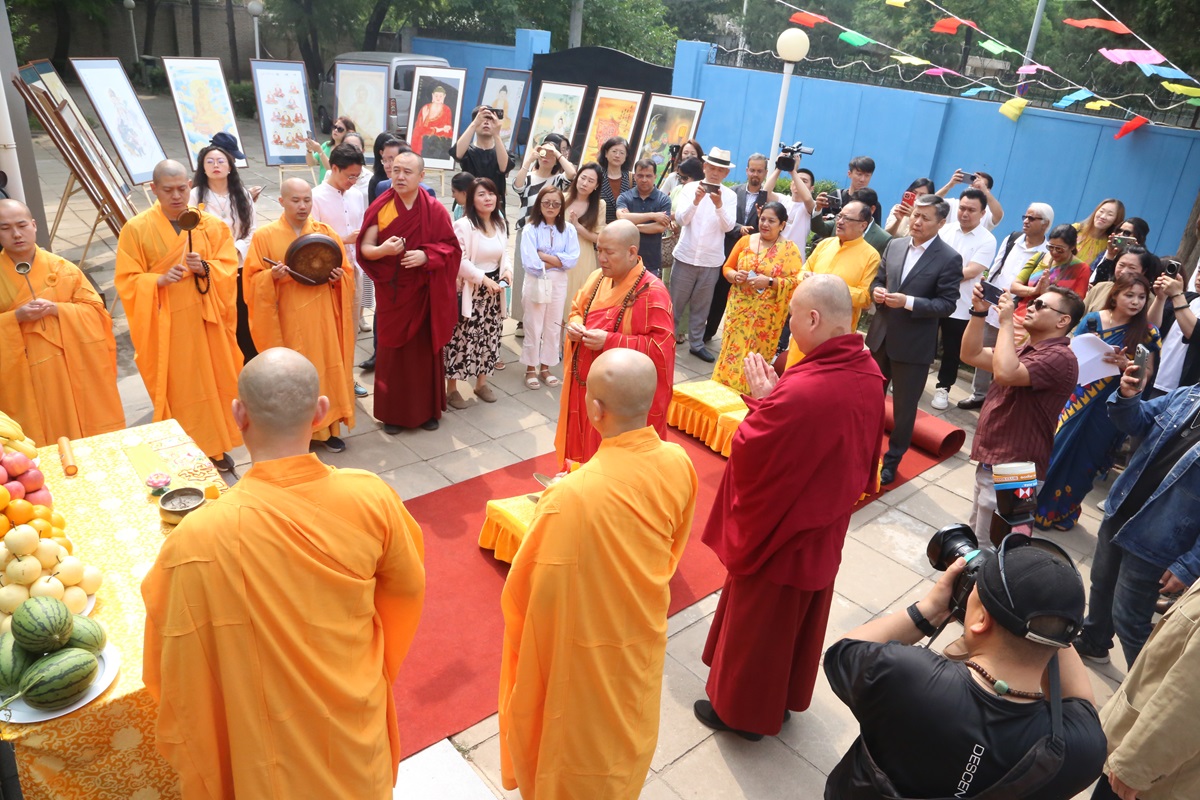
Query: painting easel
{"x": 296, "y": 170}
{"x": 74, "y": 186}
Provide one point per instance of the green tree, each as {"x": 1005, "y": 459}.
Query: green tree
{"x": 637, "y": 27}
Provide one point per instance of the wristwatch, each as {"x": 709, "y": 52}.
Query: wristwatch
{"x": 918, "y": 619}
{"x": 975, "y": 313}
{"x": 771, "y": 282}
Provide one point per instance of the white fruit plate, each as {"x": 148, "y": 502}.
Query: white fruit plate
{"x": 110, "y": 665}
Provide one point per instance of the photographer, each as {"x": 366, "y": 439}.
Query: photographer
{"x": 1132, "y": 231}
{"x": 935, "y": 728}
{"x": 993, "y": 213}
{"x": 487, "y": 157}
{"x": 860, "y": 171}
{"x": 800, "y": 203}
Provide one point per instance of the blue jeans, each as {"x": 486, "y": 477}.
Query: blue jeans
{"x": 1123, "y": 595}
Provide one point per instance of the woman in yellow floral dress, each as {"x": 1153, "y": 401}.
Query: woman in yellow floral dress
{"x": 763, "y": 270}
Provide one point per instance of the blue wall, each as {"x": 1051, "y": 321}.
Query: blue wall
{"x": 1068, "y": 160}
{"x": 475, "y": 58}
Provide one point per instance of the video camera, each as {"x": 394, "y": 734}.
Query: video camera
{"x": 786, "y": 161}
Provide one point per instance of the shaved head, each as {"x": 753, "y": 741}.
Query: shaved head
{"x": 18, "y": 230}
{"x": 295, "y": 197}
{"x": 169, "y": 169}
{"x": 295, "y": 186}
{"x": 14, "y": 208}
{"x": 171, "y": 186}
{"x": 821, "y": 309}
{"x": 617, "y": 250}
{"x": 623, "y": 232}
{"x": 624, "y": 381}
{"x": 279, "y": 389}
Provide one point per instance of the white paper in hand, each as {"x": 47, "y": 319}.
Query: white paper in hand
{"x": 1090, "y": 351}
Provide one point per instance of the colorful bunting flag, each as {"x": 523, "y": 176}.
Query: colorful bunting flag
{"x": 856, "y": 39}
{"x": 1106, "y": 24}
{"x": 912, "y": 61}
{"x": 1031, "y": 69}
{"x": 1195, "y": 101}
{"x": 1131, "y": 126}
{"x": 1096, "y": 105}
{"x": 1178, "y": 88}
{"x": 939, "y": 71}
{"x": 1164, "y": 72}
{"x": 1134, "y": 56}
{"x": 806, "y": 19}
{"x": 950, "y": 25}
{"x": 897, "y": 3}
{"x": 978, "y": 90}
{"x": 1073, "y": 97}
{"x": 1014, "y": 108}
{"x": 995, "y": 48}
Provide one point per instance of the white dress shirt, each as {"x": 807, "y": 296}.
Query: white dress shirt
{"x": 342, "y": 211}
{"x": 703, "y": 228}
{"x": 221, "y": 207}
{"x": 1003, "y": 274}
{"x": 979, "y": 246}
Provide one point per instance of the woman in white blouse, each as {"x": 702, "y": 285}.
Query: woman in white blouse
{"x": 549, "y": 247}
{"x": 474, "y": 347}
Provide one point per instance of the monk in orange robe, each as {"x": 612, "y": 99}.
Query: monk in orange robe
{"x": 622, "y": 305}
{"x": 277, "y": 616}
{"x": 181, "y": 306}
{"x": 315, "y": 321}
{"x": 585, "y": 603}
{"x": 58, "y": 358}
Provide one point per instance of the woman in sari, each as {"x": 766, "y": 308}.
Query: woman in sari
{"x": 1095, "y": 230}
{"x": 1061, "y": 268}
{"x": 1087, "y": 440}
{"x": 763, "y": 269}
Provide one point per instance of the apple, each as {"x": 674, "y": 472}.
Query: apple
{"x": 4, "y": 477}
{"x": 40, "y": 497}
{"x": 32, "y": 479}
{"x": 15, "y": 464}
{"x": 15, "y": 490}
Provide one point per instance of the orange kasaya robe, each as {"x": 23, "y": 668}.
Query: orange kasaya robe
{"x": 585, "y": 622}
{"x": 58, "y": 375}
{"x": 185, "y": 341}
{"x": 277, "y": 618}
{"x": 637, "y": 313}
{"x": 315, "y": 321}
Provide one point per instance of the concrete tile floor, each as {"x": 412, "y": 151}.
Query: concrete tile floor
{"x": 883, "y": 569}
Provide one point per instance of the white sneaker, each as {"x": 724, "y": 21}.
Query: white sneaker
{"x": 941, "y": 399}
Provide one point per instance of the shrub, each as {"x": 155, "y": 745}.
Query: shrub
{"x": 242, "y": 97}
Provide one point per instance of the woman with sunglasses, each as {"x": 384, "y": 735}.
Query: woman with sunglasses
{"x": 1058, "y": 266}
{"x": 318, "y": 154}
{"x": 1087, "y": 440}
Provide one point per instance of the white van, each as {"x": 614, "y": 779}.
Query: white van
{"x": 402, "y": 66}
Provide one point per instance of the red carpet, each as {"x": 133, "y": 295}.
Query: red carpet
{"x": 451, "y": 677}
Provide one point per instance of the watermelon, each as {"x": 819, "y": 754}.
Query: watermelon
{"x": 87, "y": 634}
{"x": 57, "y": 680}
{"x": 42, "y": 624}
{"x": 14, "y": 660}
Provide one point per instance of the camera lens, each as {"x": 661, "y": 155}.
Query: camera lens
{"x": 950, "y": 544}
{"x": 1171, "y": 268}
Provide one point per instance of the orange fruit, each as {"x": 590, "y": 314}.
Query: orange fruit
{"x": 5, "y": 496}
{"x": 65, "y": 542}
{"x": 43, "y": 527}
{"x": 58, "y": 520}
{"x": 19, "y": 511}
{"x": 42, "y": 512}
{"x": 5, "y": 523}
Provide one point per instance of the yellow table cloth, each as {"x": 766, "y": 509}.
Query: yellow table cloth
{"x": 505, "y": 523}
{"x": 106, "y": 749}
{"x": 696, "y": 408}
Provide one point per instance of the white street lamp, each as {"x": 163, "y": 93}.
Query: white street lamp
{"x": 791, "y": 47}
{"x": 137, "y": 59}
{"x": 255, "y": 8}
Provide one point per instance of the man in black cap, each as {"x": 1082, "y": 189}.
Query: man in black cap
{"x": 933, "y": 727}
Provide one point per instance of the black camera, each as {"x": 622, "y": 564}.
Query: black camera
{"x": 947, "y": 546}
{"x": 1171, "y": 267}
{"x": 786, "y": 161}
{"x": 834, "y": 204}
{"x": 675, "y": 150}
{"x": 497, "y": 112}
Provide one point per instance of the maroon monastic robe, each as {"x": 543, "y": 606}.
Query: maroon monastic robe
{"x": 415, "y": 309}
{"x": 800, "y": 462}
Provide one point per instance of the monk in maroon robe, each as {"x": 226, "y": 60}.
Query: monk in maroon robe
{"x": 805, "y": 454}
{"x": 409, "y": 249}
{"x": 622, "y": 304}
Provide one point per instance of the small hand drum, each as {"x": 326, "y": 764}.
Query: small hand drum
{"x": 312, "y": 257}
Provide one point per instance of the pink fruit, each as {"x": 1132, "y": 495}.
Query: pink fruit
{"x": 15, "y": 463}
{"x": 32, "y": 479}
{"x": 15, "y": 490}
{"x": 40, "y": 497}
{"x": 4, "y": 478}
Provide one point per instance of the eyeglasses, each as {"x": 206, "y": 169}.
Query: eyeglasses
{"x": 844, "y": 218}
{"x": 551, "y": 204}
{"x": 1058, "y": 248}
{"x": 1031, "y": 217}
{"x": 1039, "y": 304}
{"x": 339, "y": 129}
{"x": 215, "y": 162}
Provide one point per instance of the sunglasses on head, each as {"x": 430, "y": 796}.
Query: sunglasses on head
{"x": 1015, "y": 540}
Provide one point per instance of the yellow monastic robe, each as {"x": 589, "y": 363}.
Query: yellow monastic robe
{"x": 277, "y": 618}
{"x": 185, "y": 341}
{"x": 58, "y": 375}
{"x": 585, "y": 622}
{"x": 315, "y": 321}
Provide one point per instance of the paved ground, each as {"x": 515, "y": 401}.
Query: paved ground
{"x": 884, "y": 567}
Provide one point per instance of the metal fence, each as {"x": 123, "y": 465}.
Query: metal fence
{"x": 886, "y": 72}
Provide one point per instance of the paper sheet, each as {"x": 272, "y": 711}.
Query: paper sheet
{"x": 1090, "y": 351}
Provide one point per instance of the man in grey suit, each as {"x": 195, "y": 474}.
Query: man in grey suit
{"x": 917, "y": 284}
{"x": 751, "y": 196}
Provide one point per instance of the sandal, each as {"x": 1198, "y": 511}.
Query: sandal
{"x": 500, "y": 364}
{"x": 531, "y": 381}
{"x": 548, "y": 379}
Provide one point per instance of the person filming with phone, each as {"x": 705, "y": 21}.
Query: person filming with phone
{"x": 1015, "y": 718}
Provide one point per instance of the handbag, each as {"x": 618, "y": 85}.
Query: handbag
{"x": 538, "y": 289}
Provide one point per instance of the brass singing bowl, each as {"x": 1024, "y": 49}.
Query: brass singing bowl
{"x": 178, "y": 503}
{"x": 312, "y": 257}
{"x": 189, "y": 220}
